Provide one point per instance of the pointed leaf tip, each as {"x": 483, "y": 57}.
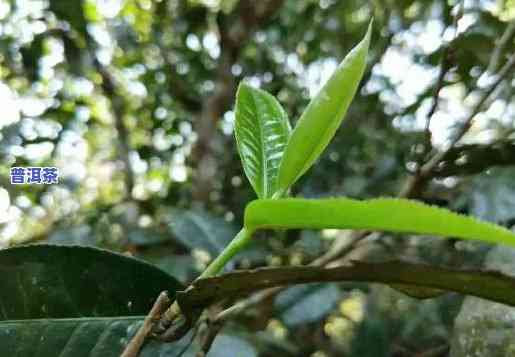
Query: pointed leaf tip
{"x": 324, "y": 114}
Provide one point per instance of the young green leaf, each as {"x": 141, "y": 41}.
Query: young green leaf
{"x": 384, "y": 214}
{"x": 323, "y": 115}
{"x": 262, "y": 130}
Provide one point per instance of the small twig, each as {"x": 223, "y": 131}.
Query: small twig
{"x": 445, "y": 66}
{"x": 501, "y": 76}
{"x": 503, "y": 42}
{"x": 160, "y": 306}
{"x": 245, "y": 304}
{"x": 414, "y": 182}
{"x": 340, "y": 248}
{"x": 507, "y": 68}
{"x": 175, "y": 323}
{"x": 212, "y": 330}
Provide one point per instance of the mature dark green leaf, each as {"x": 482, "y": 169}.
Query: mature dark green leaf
{"x": 67, "y": 337}
{"x": 98, "y": 337}
{"x": 262, "y": 130}
{"x": 50, "y": 281}
{"x": 74, "y": 301}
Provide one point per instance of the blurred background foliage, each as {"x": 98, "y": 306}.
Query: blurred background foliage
{"x": 132, "y": 100}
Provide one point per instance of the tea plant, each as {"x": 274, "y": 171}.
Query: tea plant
{"x": 274, "y": 157}
{"x": 100, "y": 298}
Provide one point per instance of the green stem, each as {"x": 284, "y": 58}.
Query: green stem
{"x": 238, "y": 243}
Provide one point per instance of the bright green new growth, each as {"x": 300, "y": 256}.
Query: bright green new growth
{"x": 324, "y": 114}
{"x": 262, "y": 130}
{"x": 384, "y": 214}
{"x": 272, "y": 163}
